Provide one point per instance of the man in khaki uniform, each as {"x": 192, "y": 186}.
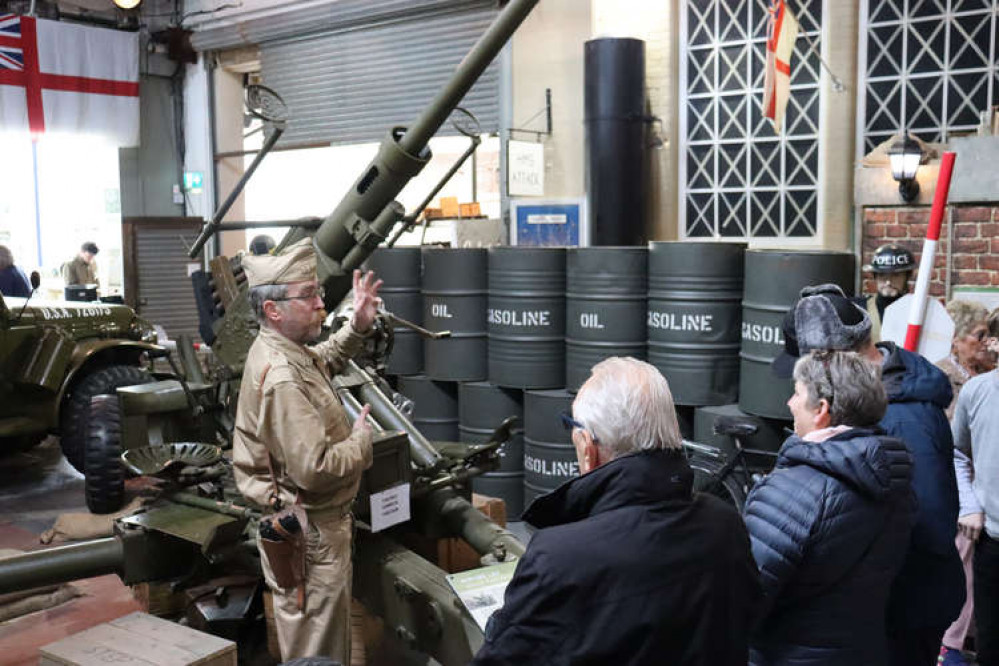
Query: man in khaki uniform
{"x": 82, "y": 269}
{"x": 289, "y": 414}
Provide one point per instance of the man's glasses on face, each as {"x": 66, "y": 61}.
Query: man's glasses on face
{"x": 309, "y": 295}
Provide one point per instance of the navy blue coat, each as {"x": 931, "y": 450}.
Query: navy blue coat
{"x": 13, "y": 282}
{"x": 929, "y": 590}
{"x": 629, "y": 568}
{"x": 829, "y": 529}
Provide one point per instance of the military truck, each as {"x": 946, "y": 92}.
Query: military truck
{"x": 57, "y": 355}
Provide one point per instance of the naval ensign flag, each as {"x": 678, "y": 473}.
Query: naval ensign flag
{"x": 61, "y": 77}
{"x": 781, "y": 33}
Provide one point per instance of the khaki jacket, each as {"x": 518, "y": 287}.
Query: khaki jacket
{"x": 77, "y": 271}
{"x": 287, "y": 408}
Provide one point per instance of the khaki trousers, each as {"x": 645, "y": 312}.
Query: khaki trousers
{"x": 322, "y": 628}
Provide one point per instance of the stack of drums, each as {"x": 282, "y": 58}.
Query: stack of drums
{"x": 481, "y": 408}
{"x": 526, "y": 317}
{"x": 774, "y": 279}
{"x": 605, "y": 305}
{"x": 549, "y": 456}
{"x": 454, "y": 299}
{"x": 769, "y": 435}
{"x": 693, "y": 318}
{"x": 399, "y": 268}
{"x": 435, "y": 406}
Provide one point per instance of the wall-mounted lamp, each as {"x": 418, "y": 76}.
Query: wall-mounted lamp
{"x": 905, "y": 155}
{"x": 127, "y": 4}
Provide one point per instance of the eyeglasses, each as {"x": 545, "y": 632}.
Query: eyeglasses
{"x": 320, "y": 292}
{"x": 569, "y": 423}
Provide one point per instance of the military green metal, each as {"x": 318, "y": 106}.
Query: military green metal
{"x": 200, "y": 526}
{"x": 155, "y": 460}
{"x": 47, "y": 349}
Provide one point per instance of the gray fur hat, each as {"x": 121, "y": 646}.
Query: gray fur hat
{"x": 823, "y": 318}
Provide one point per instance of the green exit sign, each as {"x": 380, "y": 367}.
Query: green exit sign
{"x": 193, "y": 181}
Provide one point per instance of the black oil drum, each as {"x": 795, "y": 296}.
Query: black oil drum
{"x": 769, "y": 435}
{"x": 605, "y": 305}
{"x": 481, "y": 408}
{"x": 549, "y": 456}
{"x": 399, "y": 267}
{"x": 773, "y": 280}
{"x": 508, "y": 486}
{"x": 454, "y": 299}
{"x": 695, "y": 291}
{"x": 435, "y": 406}
{"x": 526, "y": 317}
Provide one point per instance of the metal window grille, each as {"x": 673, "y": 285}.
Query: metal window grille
{"x": 738, "y": 179}
{"x": 928, "y": 65}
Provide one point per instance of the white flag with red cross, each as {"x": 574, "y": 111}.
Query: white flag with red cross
{"x": 782, "y": 30}
{"x": 62, "y": 77}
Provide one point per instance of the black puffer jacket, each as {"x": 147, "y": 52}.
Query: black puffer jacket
{"x": 630, "y": 568}
{"x": 829, "y": 530}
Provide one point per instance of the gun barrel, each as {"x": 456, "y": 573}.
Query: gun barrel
{"x": 60, "y": 565}
{"x": 365, "y": 216}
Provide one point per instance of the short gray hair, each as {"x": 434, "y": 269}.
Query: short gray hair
{"x": 627, "y": 405}
{"x": 966, "y": 315}
{"x": 850, "y": 384}
{"x": 265, "y": 292}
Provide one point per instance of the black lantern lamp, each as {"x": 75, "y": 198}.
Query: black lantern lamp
{"x": 905, "y": 155}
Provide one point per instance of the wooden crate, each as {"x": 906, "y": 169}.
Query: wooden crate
{"x": 157, "y": 599}
{"x": 453, "y": 554}
{"x": 449, "y": 207}
{"x": 139, "y": 639}
{"x": 470, "y": 209}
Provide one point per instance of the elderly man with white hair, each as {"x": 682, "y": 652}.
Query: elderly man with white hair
{"x": 629, "y": 566}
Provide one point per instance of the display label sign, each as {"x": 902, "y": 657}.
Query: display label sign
{"x": 526, "y": 169}
{"x": 389, "y": 507}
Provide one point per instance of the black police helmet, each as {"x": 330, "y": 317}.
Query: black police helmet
{"x": 891, "y": 258}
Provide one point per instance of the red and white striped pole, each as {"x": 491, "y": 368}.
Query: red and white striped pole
{"x": 918, "y": 310}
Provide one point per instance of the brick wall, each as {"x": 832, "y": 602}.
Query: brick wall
{"x": 975, "y": 237}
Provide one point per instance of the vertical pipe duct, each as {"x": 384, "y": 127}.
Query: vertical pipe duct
{"x": 615, "y": 140}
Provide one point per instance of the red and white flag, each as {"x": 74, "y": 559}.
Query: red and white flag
{"x": 61, "y": 77}
{"x": 781, "y": 33}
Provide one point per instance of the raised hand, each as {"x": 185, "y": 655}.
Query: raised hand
{"x": 366, "y": 300}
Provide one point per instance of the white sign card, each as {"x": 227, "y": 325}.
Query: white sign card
{"x": 938, "y": 328}
{"x": 526, "y": 168}
{"x": 389, "y": 507}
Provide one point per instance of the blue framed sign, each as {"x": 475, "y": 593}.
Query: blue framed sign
{"x": 542, "y": 223}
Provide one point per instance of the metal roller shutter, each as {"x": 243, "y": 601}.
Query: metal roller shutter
{"x": 352, "y": 85}
{"x": 165, "y": 295}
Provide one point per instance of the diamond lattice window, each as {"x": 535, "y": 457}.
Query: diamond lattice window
{"x": 738, "y": 178}
{"x": 930, "y": 66}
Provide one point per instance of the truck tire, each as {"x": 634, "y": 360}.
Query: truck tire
{"x": 104, "y": 478}
{"x": 73, "y": 418}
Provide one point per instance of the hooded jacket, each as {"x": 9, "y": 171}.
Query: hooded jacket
{"x": 929, "y": 590}
{"x": 829, "y": 529}
{"x": 629, "y": 567}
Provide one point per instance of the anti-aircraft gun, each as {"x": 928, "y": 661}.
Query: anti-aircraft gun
{"x": 199, "y": 527}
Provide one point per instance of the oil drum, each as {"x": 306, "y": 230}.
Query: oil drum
{"x": 549, "y": 455}
{"x": 435, "y": 406}
{"x": 454, "y": 299}
{"x": 605, "y": 306}
{"x": 526, "y": 317}
{"x": 693, "y": 320}
{"x": 399, "y": 268}
{"x": 773, "y": 280}
{"x": 481, "y": 408}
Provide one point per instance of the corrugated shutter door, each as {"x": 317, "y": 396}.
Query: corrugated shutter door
{"x": 353, "y": 86}
{"x": 166, "y": 296}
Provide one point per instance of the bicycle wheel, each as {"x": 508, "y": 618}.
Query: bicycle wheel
{"x": 732, "y": 488}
